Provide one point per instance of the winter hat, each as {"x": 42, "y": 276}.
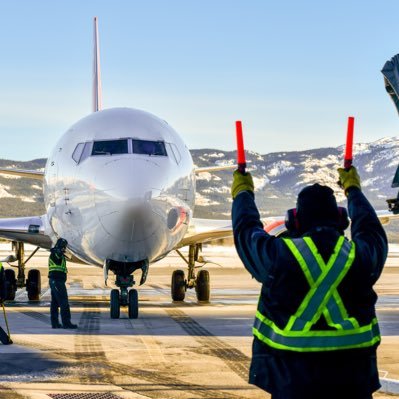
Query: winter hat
{"x": 316, "y": 206}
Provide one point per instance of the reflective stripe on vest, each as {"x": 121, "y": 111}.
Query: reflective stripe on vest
{"x": 52, "y": 266}
{"x": 322, "y": 298}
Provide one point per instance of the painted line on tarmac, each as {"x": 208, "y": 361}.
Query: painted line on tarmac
{"x": 37, "y": 316}
{"x": 234, "y": 359}
{"x": 89, "y": 351}
{"x": 88, "y": 348}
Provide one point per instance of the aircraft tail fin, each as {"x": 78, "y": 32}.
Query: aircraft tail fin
{"x": 97, "y": 92}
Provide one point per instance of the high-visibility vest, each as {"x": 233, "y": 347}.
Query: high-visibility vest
{"x": 52, "y": 266}
{"x": 322, "y": 299}
{"x": 1, "y": 266}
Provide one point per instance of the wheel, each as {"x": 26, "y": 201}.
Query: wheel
{"x": 202, "y": 287}
{"x": 33, "y": 285}
{"x": 178, "y": 286}
{"x": 115, "y": 308}
{"x": 10, "y": 284}
{"x": 133, "y": 304}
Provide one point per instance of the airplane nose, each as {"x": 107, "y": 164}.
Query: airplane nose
{"x": 124, "y": 189}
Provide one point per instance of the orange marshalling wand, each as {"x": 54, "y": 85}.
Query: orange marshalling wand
{"x": 241, "y": 163}
{"x": 348, "y": 157}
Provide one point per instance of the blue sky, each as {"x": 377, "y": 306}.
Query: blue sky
{"x": 291, "y": 71}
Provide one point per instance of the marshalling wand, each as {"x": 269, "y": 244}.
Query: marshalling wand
{"x": 241, "y": 163}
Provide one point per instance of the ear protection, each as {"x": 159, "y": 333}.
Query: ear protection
{"x": 292, "y": 222}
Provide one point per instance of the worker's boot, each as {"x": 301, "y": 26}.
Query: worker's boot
{"x": 56, "y": 325}
{"x": 70, "y": 326}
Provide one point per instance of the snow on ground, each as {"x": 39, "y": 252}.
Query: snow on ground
{"x": 27, "y": 199}
{"x": 201, "y": 200}
{"x": 11, "y": 177}
{"x": 215, "y": 155}
{"x": 260, "y": 182}
{"x": 369, "y": 182}
{"x": 219, "y": 190}
{"x": 204, "y": 176}
{"x": 4, "y": 193}
{"x": 281, "y": 167}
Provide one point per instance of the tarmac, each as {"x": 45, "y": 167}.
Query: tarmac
{"x": 179, "y": 350}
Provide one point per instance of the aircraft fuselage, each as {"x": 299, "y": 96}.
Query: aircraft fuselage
{"x": 120, "y": 185}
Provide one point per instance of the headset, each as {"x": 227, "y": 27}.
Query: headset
{"x": 292, "y": 222}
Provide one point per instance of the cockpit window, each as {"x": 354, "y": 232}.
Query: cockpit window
{"x": 149, "y": 147}
{"x": 110, "y": 147}
{"x": 78, "y": 152}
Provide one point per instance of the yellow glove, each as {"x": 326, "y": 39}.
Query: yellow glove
{"x": 241, "y": 182}
{"x": 348, "y": 178}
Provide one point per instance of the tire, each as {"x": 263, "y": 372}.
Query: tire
{"x": 178, "y": 286}
{"x": 10, "y": 284}
{"x": 115, "y": 308}
{"x": 34, "y": 285}
{"x": 202, "y": 286}
{"x": 133, "y": 304}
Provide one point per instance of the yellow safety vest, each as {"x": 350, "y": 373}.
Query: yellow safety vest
{"x": 52, "y": 266}
{"x": 322, "y": 299}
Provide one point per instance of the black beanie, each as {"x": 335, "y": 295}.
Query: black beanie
{"x": 316, "y": 206}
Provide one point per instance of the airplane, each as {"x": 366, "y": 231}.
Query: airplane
{"x": 119, "y": 186}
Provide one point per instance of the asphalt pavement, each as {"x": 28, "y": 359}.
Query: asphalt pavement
{"x": 179, "y": 350}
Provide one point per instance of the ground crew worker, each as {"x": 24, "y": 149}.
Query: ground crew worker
{"x": 57, "y": 279}
{"x": 315, "y": 331}
{"x": 4, "y": 337}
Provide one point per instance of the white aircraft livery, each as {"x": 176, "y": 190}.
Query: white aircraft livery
{"x": 119, "y": 186}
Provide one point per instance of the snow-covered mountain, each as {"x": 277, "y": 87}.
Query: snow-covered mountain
{"x": 278, "y": 178}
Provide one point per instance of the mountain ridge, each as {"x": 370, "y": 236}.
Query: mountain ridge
{"x": 278, "y": 177}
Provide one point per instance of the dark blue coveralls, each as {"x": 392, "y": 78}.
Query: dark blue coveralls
{"x": 350, "y": 373}
{"x": 59, "y": 294}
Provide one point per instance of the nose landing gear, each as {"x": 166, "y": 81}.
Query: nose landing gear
{"x": 124, "y": 298}
{"x": 125, "y": 280}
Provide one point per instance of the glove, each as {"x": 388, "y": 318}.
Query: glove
{"x": 241, "y": 182}
{"x": 348, "y": 178}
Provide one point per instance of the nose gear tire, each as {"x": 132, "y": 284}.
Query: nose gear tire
{"x": 178, "y": 285}
{"x": 133, "y": 304}
{"x": 115, "y": 308}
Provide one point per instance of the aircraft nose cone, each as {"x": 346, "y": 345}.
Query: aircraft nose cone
{"x": 127, "y": 179}
{"x": 124, "y": 189}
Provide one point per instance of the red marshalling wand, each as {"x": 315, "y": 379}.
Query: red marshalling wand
{"x": 241, "y": 163}
{"x": 348, "y": 157}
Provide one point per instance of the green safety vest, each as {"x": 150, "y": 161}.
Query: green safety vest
{"x": 1, "y": 266}
{"x": 52, "y": 266}
{"x": 322, "y": 299}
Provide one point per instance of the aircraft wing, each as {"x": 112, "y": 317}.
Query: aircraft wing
{"x": 206, "y": 230}
{"x": 25, "y": 229}
{"x": 30, "y": 174}
{"x": 210, "y": 169}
